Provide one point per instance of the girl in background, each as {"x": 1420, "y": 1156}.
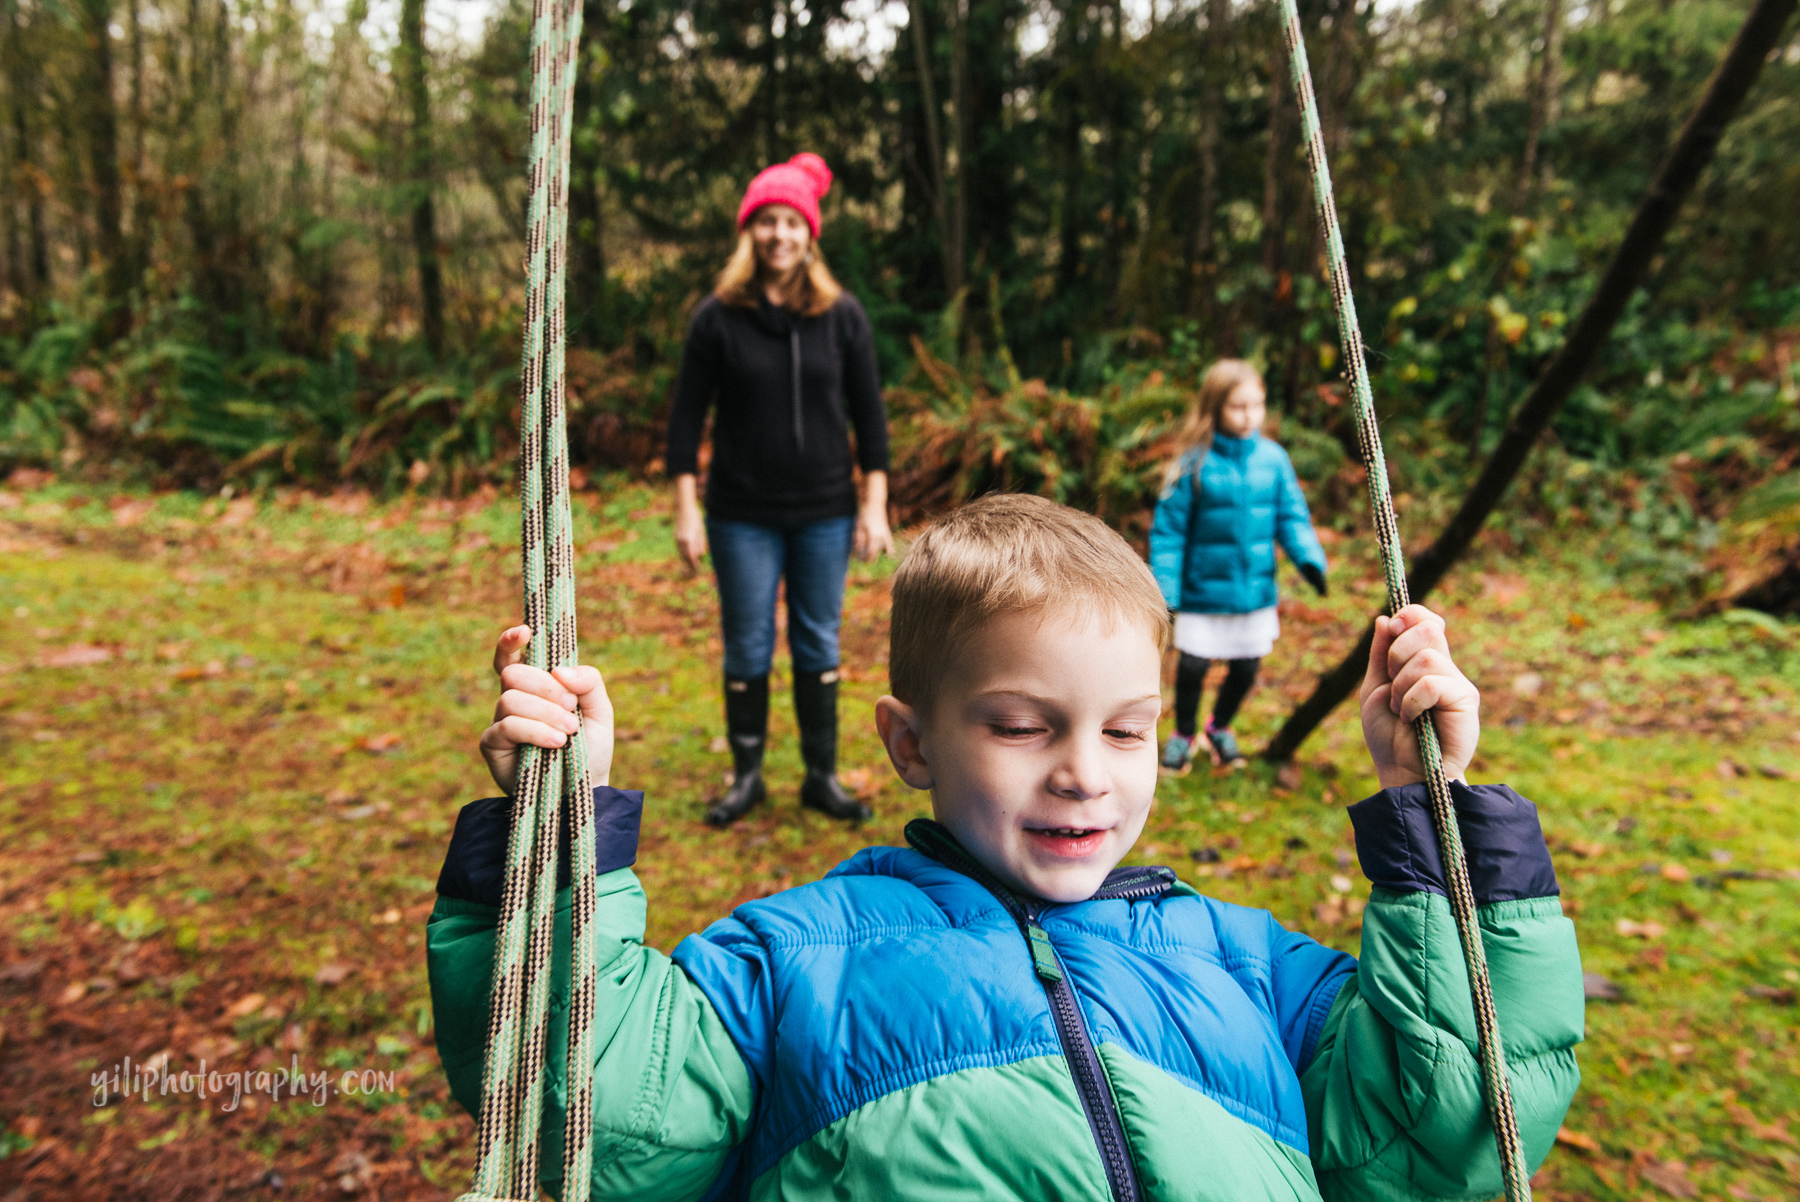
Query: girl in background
{"x": 1228, "y": 498}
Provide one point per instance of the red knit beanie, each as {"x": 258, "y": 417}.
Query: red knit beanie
{"x": 800, "y": 182}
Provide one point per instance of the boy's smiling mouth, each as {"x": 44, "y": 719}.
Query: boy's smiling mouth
{"x": 1067, "y": 842}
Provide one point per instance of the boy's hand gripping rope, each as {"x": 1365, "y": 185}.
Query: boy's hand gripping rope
{"x": 553, "y": 790}
{"x": 1513, "y": 1168}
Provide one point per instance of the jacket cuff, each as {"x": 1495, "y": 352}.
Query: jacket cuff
{"x": 1502, "y": 841}
{"x": 617, "y": 813}
{"x": 475, "y": 866}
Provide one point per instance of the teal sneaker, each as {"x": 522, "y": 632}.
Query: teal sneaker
{"x": 1224, "y": 744}
{"x": 1176, "y": 751}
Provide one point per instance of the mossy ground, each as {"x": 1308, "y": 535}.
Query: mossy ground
{"x": 236, "y": 736}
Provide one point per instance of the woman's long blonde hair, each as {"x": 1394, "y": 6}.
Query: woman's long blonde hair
{"x": 1216, "y": 387}
{"x": 813, "y": 290}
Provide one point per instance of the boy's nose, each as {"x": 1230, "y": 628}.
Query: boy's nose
{"x": 1081, "y": 776}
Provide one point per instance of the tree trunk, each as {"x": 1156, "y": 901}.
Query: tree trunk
{"x": 1656, "y": 212}
{"x": 1111, "y": 248}
{"x": 947, "y": 243}
{"x": 34, "y": 260}
{"x": 1342, "y": 77}
{"x": 140, "y": 196}
{"x": 1544, "y": 84}
{"x": 417, "y": 95}
{"x": 102, "y": 136}
{"x": 587, "y": 246}
{"x": 960, "y": 103}
{"x": 1271, "y": 200}
{"x": 1067, "y": 99}
{"x": 1543, "y": 95}
{"x": 1200, "y": 259}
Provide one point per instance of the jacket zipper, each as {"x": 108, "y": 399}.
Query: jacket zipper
{"x": 1084, "y": 1062}
{"x": 799, "y": 429}
{"x": 1125, "y": 884}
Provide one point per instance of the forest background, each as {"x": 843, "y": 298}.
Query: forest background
{"x": 264, "y": 242}
{"x": 260, "y": 291}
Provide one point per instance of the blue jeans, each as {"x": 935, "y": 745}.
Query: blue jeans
{"x": 750, "y": 559}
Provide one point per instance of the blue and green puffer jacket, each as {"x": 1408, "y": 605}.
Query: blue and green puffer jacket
{"x": 1213, "y": 552}
{"x": 907, "y": 1028}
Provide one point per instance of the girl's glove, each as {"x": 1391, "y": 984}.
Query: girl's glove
{"x": 1314, "y": 576}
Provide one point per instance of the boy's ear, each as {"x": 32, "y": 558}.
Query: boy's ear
{"x": 901, "y": 733}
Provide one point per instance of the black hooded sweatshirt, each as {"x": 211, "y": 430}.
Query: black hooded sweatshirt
{"x": 787, "y": 388}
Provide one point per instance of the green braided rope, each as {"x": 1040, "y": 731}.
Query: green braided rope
{"x": 556, "y": 784}
{"x": 1513, "y": 1167}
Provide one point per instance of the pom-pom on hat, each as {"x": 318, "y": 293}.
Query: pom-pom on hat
{"x": 799, "y": 182}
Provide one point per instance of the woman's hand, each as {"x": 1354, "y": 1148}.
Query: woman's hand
{"x": 872, "y": 534}
{"x": 690, "y": 527}
{"x": 1410, "y": 671}
{"x": 539, "y": 708}
{"x": 873, "y": 537}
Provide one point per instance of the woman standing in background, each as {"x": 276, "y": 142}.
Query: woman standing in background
{"x": 785, "y": 357}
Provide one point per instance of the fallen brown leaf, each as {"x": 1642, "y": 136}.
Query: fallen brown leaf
{"x": 1288, "y": 776}
{"x": 78, "y": 655}
{"x": 379, "y": 743}
{"x": 250, "y": 1003}
{"x": 238, "y": 512}
{"x": 1675, "y": 872}
{"x": 1597, "y": 988}
{"x": 352, "y": 1171}
{"x": 214, "y": 1048}
{"x": 1670, "y": 1176}
{"x": 130, "y": 512}
{"x": 332, "y": 974}
{"x": 1575, "y": 1139}
{"x": 1774, "y": 1132}
{"x": 1772, "y": 993}
{"x": 21, "y": 972}
{"x": 1640, "y": 930}
{"x": 72, "y": 993}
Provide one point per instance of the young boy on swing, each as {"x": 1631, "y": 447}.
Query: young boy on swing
{"x": 999, "y": 1011}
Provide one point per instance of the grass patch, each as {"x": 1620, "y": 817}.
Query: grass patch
{"x": 235, "y": 732}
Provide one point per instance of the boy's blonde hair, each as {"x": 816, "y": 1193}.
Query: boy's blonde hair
{"x": 1009, "y": 553}
{"x": 1216, "y": 386}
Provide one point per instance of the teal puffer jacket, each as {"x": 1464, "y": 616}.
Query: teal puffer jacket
{"x": 908, "y": 1028}
{"x": 1214, "y": 553}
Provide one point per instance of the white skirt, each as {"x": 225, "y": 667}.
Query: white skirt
{"x": 1228, "y": 636}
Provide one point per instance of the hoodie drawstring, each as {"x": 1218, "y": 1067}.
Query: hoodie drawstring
{"x": 799, "y": 431}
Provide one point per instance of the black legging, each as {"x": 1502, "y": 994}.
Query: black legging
{"x": 1190, "y": 674}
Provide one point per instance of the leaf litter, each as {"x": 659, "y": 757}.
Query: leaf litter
{"x": 268, "y": 917}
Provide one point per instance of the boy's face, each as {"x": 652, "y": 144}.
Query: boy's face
{"x": 1040, "y": 750}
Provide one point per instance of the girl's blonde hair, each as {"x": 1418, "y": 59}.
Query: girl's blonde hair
{"x": 1216, "y": 387}
{"x": 812, "y": 291}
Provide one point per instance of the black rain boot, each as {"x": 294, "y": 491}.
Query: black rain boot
{"x": 747, "y": 730}
{"x": 815, "y": 706}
